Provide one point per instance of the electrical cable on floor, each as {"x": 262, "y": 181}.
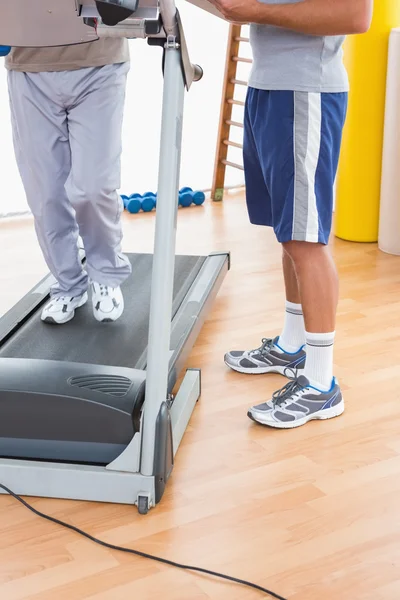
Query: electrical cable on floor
{"x": 141, "y": 554}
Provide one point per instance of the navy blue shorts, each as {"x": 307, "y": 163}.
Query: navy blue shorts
{"x": 291, "y": 151}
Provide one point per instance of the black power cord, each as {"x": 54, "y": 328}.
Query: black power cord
{"x": 141, "y": 554}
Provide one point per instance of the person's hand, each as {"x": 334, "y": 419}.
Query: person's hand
{"x": 238, "y": 11}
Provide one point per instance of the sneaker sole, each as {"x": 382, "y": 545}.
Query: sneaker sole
{"x": 51, "y": 321}
{"x": 263, "y": 370}
{"x": 329, "y": 413}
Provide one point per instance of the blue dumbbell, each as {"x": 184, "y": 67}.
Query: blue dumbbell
{"x": 185, "y": 199}
{"x": 134, "y": 203}
{"x": 148, "y": 203}
{"x": 4, "y": 50}
{"x": 198, "y": 198}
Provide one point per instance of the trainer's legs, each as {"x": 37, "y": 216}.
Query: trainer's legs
{"x": 318, "y": 284}
{"x": 290, "y": 277}
{"x": 43, "y": 156}
{"x": 292, "y": 337}
{"x": 95, "y": 128}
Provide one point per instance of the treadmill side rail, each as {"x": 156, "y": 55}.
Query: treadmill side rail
{"x": 183, "y": 405}
{"x": 193, "y": 312}
{"x": 35, "y": 298}
{"x": 21, "y": 311}
{"x": 74, "y": 482}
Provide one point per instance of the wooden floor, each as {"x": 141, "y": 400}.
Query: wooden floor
{"x": 312, "y": 513}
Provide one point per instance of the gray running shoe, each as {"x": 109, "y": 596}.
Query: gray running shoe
{"x": 268, "y": 358}
{"x": 297, "y": 403}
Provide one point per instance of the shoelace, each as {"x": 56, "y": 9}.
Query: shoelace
{"x": 104, "y": 290}
{"x": 266, "y": 346}
{"x": 63, "y": 299}
{"x": 292, "y": 388}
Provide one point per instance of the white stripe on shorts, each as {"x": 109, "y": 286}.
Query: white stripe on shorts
{"x": 306, "y": 148}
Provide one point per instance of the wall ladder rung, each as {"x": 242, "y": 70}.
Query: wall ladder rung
{"x": 242, "y": 59}
{"x": 234, "y": 124}
{"x": 235, "y": 102}
{"x": 233, "y": 144}
{"x": 228, "y": 163}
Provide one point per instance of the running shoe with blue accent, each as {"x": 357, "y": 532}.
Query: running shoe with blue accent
{"x": 297, "y": 403}
{"x": 268, "y": 358}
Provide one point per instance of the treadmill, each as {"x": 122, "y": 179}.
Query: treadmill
{"x": 93, "y": 411}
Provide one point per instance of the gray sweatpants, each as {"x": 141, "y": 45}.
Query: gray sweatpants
{"x": 67, "y": 138}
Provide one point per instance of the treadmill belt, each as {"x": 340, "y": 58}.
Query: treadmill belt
{"x": 84, "y": 340}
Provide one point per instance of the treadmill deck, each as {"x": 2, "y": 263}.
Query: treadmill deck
{"x": 84, "y": 340}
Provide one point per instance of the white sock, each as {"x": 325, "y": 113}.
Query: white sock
{"x": 293, "y": 334}
{"x": 319, "y": 360}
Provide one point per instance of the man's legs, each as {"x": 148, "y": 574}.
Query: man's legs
{"x": 293, "y": 335}
{"x": 95, "y": 128}
{"x": 315, "y": 394}
{"x": 43, "y": 157}
{"x": 317, "y": 279}
{"x": 297, "y": 136}
{"x": 290, "y": 279}
{"x": 271, "y": 356}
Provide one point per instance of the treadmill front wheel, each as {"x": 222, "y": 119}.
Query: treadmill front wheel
{"x": 143, "y": 505}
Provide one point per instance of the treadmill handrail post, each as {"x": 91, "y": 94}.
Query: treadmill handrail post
{"x": 158, "y": 356}
{"x": 168, "y": 13}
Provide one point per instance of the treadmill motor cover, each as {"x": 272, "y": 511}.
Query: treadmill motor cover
{"x": 68, "y": 412}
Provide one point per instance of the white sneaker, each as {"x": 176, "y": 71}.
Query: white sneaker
{"x": 61, "y": 310}
{"x": 108, "y": 302}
